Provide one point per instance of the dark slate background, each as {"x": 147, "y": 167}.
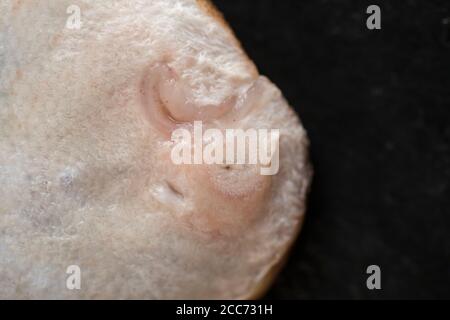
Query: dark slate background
{"x": 376, "y": 105}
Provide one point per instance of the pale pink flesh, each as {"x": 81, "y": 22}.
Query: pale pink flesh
{"x": 85, "y": 123}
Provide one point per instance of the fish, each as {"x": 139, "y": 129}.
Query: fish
{"x": 92, "y": 203}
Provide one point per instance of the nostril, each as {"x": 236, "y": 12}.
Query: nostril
{"x": 168, "y": 101}
{"x": 174, "y": 190}
{"x": 168, "y": 194}
{"x": 154, "y": 107}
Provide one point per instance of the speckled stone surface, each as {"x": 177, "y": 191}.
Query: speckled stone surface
{"x": 376, "y": 105}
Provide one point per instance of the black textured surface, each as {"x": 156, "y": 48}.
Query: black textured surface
{"x": 376, "y": 105}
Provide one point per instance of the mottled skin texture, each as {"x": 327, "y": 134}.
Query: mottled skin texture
{"x": 85, "y": 173}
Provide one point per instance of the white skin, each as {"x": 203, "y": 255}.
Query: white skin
{"x": 85, "y": 171}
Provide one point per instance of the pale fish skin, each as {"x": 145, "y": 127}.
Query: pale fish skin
{"x": 86, "y": 177}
